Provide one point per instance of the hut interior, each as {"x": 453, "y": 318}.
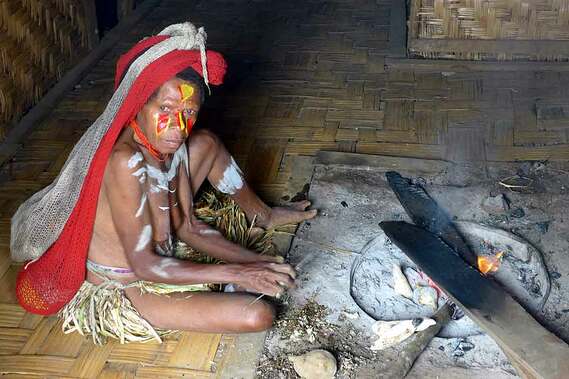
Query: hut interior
{"x": 321, "y": 99}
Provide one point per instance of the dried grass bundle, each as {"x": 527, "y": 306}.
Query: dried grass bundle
{"x": 222, "y": 213}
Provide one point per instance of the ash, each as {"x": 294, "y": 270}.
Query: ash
{"x": 307, "y": 327}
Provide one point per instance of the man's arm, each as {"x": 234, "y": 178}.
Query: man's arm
{"x": 125, "y": 192}
{"x": 208, "y": 240}
{"x": 203, "y": 237}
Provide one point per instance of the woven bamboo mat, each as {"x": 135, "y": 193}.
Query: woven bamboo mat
{"x": 304, "y": 76}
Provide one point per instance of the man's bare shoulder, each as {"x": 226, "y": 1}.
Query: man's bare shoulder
{"x": 124, "y": 162}
{"x": 125, "y": 157}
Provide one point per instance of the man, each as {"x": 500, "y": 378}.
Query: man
{"x": 133, "y": 176}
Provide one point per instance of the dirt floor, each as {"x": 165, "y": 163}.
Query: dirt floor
{"x": 352, "y": 199}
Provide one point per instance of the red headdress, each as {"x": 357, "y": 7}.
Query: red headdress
{"x": 51, "y": 280}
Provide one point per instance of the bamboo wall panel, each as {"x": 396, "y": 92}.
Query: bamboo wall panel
{"x": 40, "y": 40}
{"x": 489, "y": 29}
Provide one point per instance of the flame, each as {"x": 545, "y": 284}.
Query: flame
{"x": 490, "y": 263}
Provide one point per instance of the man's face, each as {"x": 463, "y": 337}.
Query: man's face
{"x": 167, "y": 119}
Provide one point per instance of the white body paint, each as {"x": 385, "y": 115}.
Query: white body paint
{"x": 164, "y": 263}
{"x": 232, "y": 180}
{"x": 163, "y": 178}
{"x": 209, "y": 231}
{"x": 140, "y": 174}
{"x": 142, "y": 204}
{"x": 135, "y": 159}
{"x": 144, "y": 238}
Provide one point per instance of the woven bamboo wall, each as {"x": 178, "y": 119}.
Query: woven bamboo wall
{"x": 40, "y": 40}
{"x": 510, "y": 23}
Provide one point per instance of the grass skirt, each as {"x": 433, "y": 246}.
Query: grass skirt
{"x": 104, "y": 311}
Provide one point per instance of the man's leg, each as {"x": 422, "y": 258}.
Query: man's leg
{"x": 210, "y": 159}
{"x": 204, "y": 311}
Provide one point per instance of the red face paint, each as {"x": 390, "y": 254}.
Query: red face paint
{"x": 165, "y": 121}
{"x": 162, "y": 123}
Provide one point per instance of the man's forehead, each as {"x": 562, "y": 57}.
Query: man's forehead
{"x": 177, "y": 89}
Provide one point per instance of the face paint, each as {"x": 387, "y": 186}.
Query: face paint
{"x": 163, "y": 122}
{"x": 186, "y": 91}
{"x": 181, "y": 122}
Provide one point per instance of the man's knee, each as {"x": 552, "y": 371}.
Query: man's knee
{"x": 204, "y": 140}
{"x": 260, "y": 317}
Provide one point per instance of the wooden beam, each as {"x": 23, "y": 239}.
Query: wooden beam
{"x": 529, "y": 47}
{"x": 397, "y": 29}
{"x": 536, "y": 352}
{"x": 442, "y": 65}
{"x": 382, "y": 163}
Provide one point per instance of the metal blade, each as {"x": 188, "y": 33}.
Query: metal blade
{"x": 442, "y": 264}
{"x": 425, "y": 213}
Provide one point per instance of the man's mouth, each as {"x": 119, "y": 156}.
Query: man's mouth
{"x": 173, "y": 142}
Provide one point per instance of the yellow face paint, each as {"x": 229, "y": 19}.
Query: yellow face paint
{"x": 181, "y": 122}
{"x": 186, "y": 91}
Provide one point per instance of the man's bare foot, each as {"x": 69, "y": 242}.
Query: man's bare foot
{"x": 293, "y": 214}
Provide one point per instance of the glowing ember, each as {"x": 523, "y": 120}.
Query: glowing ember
{"x": 489, "y": 263}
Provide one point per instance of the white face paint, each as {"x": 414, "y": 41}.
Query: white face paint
{"x": 163, "y": 208}
{"x": 232, "y": 180}
{"x": 135, "y": 159}
{"x": 144, "y": 238}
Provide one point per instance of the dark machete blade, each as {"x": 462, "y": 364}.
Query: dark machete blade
{"x": 442, "y": 264}
{"x": 425, "y": 213}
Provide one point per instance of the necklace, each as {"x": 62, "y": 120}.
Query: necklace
{"x": 144, "y": 142}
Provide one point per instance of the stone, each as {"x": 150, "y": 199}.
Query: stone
{"x": 316, "y": 364}
{"x": 400, "y": 283}
{"x": 391, "y": 333}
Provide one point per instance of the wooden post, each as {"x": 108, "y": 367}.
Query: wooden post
{"x": 124, "y": 7}
{"x": 90, "y": 13}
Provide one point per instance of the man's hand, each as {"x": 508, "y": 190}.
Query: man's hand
{"x": 267, "y": 278}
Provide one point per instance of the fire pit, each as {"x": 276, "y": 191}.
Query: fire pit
{"x": 345, "y": 239}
